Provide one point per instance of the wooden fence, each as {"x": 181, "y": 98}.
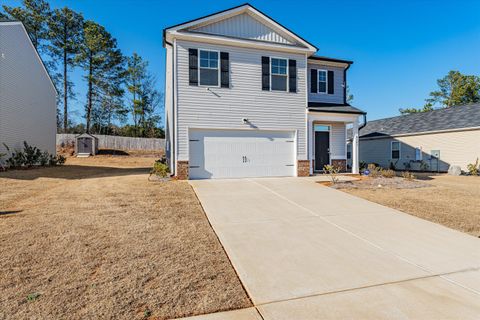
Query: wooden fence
{"x": 118, "y": 142}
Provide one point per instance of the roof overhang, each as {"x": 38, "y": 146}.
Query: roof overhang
{"x": 180, "y": 31}
{"x": 325, "y": 61}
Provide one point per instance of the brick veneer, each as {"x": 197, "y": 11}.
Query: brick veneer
{"x": 182, "y": 170}
{"x": 303, "y": 168}
{"x": 341, "y": 163}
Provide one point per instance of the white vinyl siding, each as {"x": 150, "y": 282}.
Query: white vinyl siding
{"x": 337, "y": 96}
{"x": 338, "y": 141}
{"x": 244, "y": 26}
{"x": 27, "y": 96}
{"x": 456, "y": 148}
{"x": 225, "y": 108}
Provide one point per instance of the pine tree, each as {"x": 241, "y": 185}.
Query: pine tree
{"x": 65, "y": 34}
{"x": 136, "y": 72}
{"x": 103, "y": 63}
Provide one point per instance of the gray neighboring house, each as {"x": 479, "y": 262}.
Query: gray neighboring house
{"x": 247, "y": 97}
{"x": 430, "y": 141}
{"x": 27, "y": 93}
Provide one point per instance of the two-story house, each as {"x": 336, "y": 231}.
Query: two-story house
{"x": 247, "y": 97}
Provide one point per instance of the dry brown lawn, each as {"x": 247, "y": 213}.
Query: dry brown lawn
{"x": 451, "y": 201}
{"x": 95, "y": 240}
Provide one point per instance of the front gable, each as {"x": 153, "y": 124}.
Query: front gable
{"x": 242, "y": 24}
{"x": 245, "y": 26}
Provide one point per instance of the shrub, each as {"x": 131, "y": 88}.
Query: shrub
{"x": 363, "y": 166}
{"x": 408, "y": 175}
{"x": 32, "y": 154}
{"x": 393, "y": 165}
{"x": 387, "y": 173}
{"x": 473, "y": 168}
{"x": 374, "y": 170}
{"x": 44, "y": 158}
{"x": 333, "y": 171}
{"x": 57, "y": 160}
{"x": 160, "y": 168}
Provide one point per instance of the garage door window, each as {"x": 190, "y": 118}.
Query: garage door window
{"x": 208, "y": 71}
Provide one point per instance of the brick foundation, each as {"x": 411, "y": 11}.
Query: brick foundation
{"x": 340, "y": 163}
{"x": 182, "y": 170}
{"x": 303, "y": 168}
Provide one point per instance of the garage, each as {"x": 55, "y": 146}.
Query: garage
{"x": 215, "y": 154}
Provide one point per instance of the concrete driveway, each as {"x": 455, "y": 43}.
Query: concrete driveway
{"x": 305, "y": 251}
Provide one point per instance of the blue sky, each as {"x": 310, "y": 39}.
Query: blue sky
{"x": 400, "y": 48}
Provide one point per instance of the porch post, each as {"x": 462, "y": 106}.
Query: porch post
{"x": 355, "y": 156}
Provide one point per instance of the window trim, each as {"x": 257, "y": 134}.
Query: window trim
{"x": 420, "y": 158}
{"x": 287, "y": 75}
{"x": 218, "y": 69}
{"x": 318, "y": 81}
{"x": 399, "y": 150}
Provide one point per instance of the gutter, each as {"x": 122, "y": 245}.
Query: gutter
{"x": 172, "y": 146}
{"x": 345, "y": 97}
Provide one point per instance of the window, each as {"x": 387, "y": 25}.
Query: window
{"x": 279, "y": 74}
{"x": 395, "y": 150}
{"x": 349, "y": 151}
{"x": 322, "y": 81}
{"x": 321, "y": 127}
{"x": 208, "y": 71}
{"x": 418, "y": 154}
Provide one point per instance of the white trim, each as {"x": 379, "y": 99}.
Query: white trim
{"x": 223, "y": 40}
{"x": 286, "y": 75}
{"x": 421, "y": 133}
{"x": 175, "y": 105}
{"x": 420, "y": 158}
{"x": 218, "y": 67}
{"x": 399, "y": 150}
{"x": 239, "y": 10}
{"x": 327, "y": 63}
{"x": 318, "y": 81}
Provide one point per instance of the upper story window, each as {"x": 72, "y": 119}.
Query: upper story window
{"x": 395, "y": 150}
{"x": 279, "y": 74}
{"x": 322, "y": 81}
{"x": 209, "y": 71}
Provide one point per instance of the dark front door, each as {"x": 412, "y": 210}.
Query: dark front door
{"x": 322, "y": 149}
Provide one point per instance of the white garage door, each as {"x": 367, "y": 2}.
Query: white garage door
{"x": 241, "y": 154}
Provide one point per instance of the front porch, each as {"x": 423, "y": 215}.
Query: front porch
{"x": 327, "y": 141}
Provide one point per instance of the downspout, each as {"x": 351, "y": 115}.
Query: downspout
{"x": 345, "y": 96}
{"x": 172, "y": 146}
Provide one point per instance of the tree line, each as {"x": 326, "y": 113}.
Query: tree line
{"x": 455, "y": 89}
{"x": 118, "y": 86}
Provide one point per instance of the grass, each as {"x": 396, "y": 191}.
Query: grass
{"x": 451, "y": 201}
{"x": 98, "y": 240}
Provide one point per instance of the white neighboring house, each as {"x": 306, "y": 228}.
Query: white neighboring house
{"x": 247, "y": 97}
{"x": 27, "y": 93}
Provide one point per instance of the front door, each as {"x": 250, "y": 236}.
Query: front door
{"x": 322, "y": 146}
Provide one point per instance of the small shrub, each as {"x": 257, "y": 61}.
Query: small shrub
{"x": 473, "y": 168}
{"x": 44, "y": 158}
{"x": 408, "y": 175}
{"x": 160, "y": 169}
{"x": 33, "y": 296}
{"x": 393, "y": 165}
{"x": 147, "y": 313}
{"x": 423, "y": 165}
{"x": 32, "y": 154}
{"x": 57, "y": 160}
{"x": 374, "y": 170}
{"x": 333, "y": 171}
{"x": 363, "y": 166}
{"x": 387, "y": 173}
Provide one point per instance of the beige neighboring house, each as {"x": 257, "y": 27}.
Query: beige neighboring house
{"x": 430, "y": 141}
{"x": 27, "y": 93}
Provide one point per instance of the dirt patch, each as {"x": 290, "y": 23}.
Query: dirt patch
{"x": 94, "y": 239}
{"x": 380, "y": 183}
{"x": 451, "y": 201}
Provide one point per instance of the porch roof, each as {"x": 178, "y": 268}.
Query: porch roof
{"x": 333, "y": 107}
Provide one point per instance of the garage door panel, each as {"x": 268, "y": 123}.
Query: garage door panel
{"x": 236, "y": 153}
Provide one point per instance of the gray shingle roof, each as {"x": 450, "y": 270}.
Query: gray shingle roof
{"x": 442, "y": 119}
{"x": 333, "y": 107}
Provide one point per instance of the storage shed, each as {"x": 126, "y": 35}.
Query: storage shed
{"x": 86, "y": 145}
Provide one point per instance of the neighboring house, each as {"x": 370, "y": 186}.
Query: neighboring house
{"x": 27, "y": 94}
{"x": 247, "y": 97}
{"x": 429, "y": 141}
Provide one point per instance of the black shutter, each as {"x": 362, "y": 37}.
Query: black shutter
{"x": 193, "y": 67}
{"x": 330, "y": 82}
{"x": 313, "y": 81}
{"x": 266, "y": 73}
{"x": 292, "y": 75}
{"x": 224, "y": 70}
